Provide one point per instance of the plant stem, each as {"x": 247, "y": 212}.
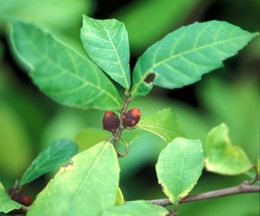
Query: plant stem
{"x": 118, "y": 133}
{"x": 245, "y": 187}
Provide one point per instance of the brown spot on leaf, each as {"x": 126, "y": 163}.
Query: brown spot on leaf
{"x": 69, "y": 164}
{"x": 149, "y": 78}
{"x": 66, "y": 167}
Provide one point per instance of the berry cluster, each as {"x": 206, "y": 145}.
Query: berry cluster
{"x": 111, "y": 120}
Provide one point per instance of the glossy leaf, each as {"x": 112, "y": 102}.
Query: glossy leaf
{"x": 88, "y": 137}
{"x": 61, "y": 73}
{"x": 162, "y": 123}
{"x": 106, "y": 43}
{"x": 222, "y": 156}
{"x": 136, "y": 208}
{"x": 54, "y": 156}
{"x": 6, "y": 204}
{"x": 88, "y": 184}
{"x": 179, "y": 167}
{"x": 183, "y": 56}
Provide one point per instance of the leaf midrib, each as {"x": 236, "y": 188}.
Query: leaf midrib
{"x": 117, "y": 56}
{"x": 97, "y": 87}
{"x": 180, "y": 177}
{"x": 76, "y": 193}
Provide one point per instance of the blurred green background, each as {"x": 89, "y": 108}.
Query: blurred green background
{"x": 29, "y": 121}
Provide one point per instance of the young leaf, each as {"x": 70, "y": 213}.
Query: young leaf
{"x": 162, "y": 123}
{"x": 60, "y": 72}
{"x": 221, "y": 156}
{"x": 88, "y": 185}
{"x": 183, "y": 56}
{"x": 106, "y": 43}
{"x": 136, "y": 208}
{"x": 179, "y": 167}
{"x": 54, "y": 156}
{"x": 6, "y": 204}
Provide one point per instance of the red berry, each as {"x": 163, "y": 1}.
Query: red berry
{"x": 22, "y": 198}
{"x": 26, "y": 200}
{"x": 110, "y": 121}
{"x": 132, "y": 117}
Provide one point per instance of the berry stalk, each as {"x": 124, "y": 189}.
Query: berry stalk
{"x": 118, "y": 133}
{"x": 116, "y": 125}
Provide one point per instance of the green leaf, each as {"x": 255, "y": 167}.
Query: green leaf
{"x": 88, "y": 137}
{"x": 136, "y": 208}
{"x": 106, "y": 43}
{"x": 179, "y": 167}
{"x": 183, "y": 56}
{"x": 222, "y": 156}
{"x": 61, "y": 73}
{"x": 7, "y": 204}
{"x": 88, "y": 185}
{"x": 143, "y": 25}
{"x": 162, "y": 123}
{"x": 54, "y": 156}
